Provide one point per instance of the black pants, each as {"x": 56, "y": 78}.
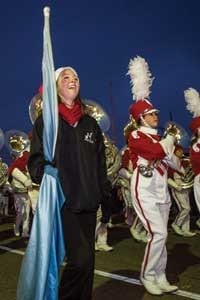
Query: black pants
{"x": 79, "y": 235}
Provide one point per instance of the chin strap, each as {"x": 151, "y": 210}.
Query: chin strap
{"x": 144, "y": 123}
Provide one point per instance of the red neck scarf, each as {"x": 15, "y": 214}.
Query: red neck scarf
{"x": 70, "y": 115}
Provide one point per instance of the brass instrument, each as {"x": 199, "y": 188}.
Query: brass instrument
{"x": 35, "y": 107}
{"x": 173, "y": 130}
{"x": 16, "y": 141}
{"x": 182, "y": 139}
{"x": 95, "y": 110}
{"x": 113, "y": 158}
{"x": 130, "y": 126}
{"x": 181, "y": 136}
{"x": 188, "y": 178}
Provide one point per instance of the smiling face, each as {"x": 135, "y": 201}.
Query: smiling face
{"x": 151, "y": 119}
{"x": 68, "y": 86}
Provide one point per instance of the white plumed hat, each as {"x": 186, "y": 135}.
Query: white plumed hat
{"x": 192, "y": 99}
{"x": 141, "y": 81}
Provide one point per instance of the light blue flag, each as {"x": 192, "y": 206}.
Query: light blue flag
{"x": 39, "y": 274}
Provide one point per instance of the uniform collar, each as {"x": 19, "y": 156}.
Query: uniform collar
{"x": 148, "y": 130}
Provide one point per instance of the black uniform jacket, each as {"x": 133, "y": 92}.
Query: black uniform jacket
{"x": 80, "y": 160}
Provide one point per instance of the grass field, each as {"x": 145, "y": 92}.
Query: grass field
{"x": 116, "y": 272}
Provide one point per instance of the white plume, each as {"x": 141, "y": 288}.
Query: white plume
{"x": 141, "y": 79}
{"x": 192, "y": 99}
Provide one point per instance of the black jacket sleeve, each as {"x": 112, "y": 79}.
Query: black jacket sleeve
{"x": 105, "y": 184}
{"x": 36, "y": 160}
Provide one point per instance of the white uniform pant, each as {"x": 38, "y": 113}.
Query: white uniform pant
{"x": 155, "y": 219}
{"x": 196, "y": 188}
{"x": 4, "y": 201}
{"x": 22, "y": 208}
{"x": 33, "y": 197}
{"x": 182, "y": 200}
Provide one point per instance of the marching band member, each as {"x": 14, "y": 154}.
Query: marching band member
{"x": 25, "y": 192}
{"x": 5, "y": 189}
{"x": 21, "y": 182}
{"x": 181, "y": 224}
{"x": 192, "y": 98}
{"x": 150, "y": 157}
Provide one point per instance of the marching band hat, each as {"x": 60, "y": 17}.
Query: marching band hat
{"x": 194, "y": 125}
{"x": 140, "y": 108}
{"x": 192, "y": 99}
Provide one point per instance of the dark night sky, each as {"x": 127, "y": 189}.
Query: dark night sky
{"x": 98, "y": 38}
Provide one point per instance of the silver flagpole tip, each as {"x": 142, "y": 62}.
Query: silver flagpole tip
{"x": 46, "y": 11}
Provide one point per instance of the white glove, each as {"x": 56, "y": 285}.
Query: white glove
{"x": 174, "y": 185}
{"x": 168, "y": 144}
{"x": 179, "y": 188}
{"x": 125, "y": 173}
{"x": 28, "y": 183}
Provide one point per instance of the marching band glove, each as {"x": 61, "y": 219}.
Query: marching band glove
{"x": 168, "y": 144}
{"x": 174, "y": 185}
{"x": 28, "y": 183}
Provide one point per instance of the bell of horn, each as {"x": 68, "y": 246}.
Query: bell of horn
{"x": 129, "y": 127}
{"x": 113, "y": 157}
{"x": 95, "y": 110}
{"x": 180, "y": 134}
{"x": 35, "y": 107}
{"x": 16, "y": 141}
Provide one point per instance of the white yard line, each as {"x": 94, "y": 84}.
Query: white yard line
{"x": 182, "y": 293}
{"x": 11, "y": 250}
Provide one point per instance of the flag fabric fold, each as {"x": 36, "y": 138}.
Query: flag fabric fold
{"x": 39, "y": 274}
